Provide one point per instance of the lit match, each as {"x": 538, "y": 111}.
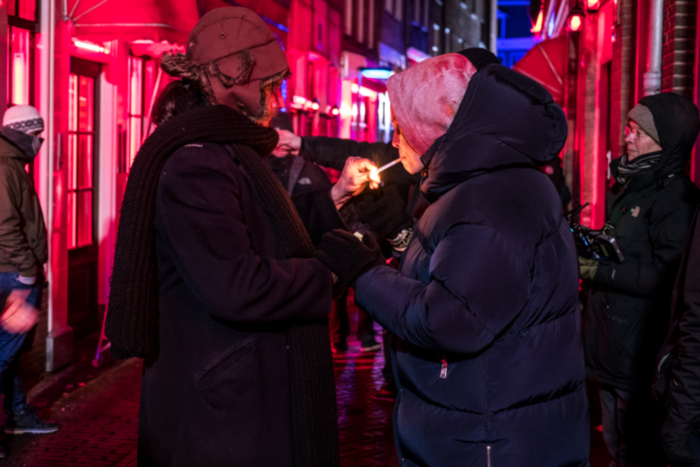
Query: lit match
{"x": 374, "y": 173}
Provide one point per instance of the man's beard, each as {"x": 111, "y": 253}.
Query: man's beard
{"x": 268, "y": 107}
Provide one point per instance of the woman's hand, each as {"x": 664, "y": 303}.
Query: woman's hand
{"x": 353, "y": 179}
{"x": 347, "y": 256}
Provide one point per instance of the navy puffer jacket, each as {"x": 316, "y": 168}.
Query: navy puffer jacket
{"x": 489, "y": 358}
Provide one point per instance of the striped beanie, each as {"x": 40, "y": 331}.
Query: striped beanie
{"x": 24, "y": 118}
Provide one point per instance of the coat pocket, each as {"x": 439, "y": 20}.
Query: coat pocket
{"x": 226, "y": 378}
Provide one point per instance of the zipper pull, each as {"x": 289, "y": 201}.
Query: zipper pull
{"x": 443, "y": 370}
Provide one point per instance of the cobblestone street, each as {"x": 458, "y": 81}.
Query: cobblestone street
{"x": 98, "y": 412}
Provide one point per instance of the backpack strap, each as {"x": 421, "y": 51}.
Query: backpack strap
{"x": 294, "y": 173}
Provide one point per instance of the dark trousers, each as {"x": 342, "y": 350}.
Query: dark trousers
{"x": 11, "y": 345}
{"x": 631, "y": 424}
{"x": 339, "y": 323}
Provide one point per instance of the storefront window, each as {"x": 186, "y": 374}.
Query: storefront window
{"x": 81, "y": 122}
{"x": 135, "y": 107}
{"x": 143, "y": 83}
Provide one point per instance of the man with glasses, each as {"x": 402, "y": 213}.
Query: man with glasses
{"x": 650, "y": 209}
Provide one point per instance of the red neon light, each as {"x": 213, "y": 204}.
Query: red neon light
{"x": 575, "y": 23}
{"x": 299, "y": 100}
{"x": 89, "y": 46}
{"x": 315, "y": 106}
{"x": 335, "y": 111}
{"x": 537, "y": 28}
{"x": 592, "y": 4}
{"x": 19, "y": 79}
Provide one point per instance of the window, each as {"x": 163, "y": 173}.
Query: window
{"x": 24, "y": 9}
{"x": 398, "y": 11}
{"x": 81, "y": 134}
{"x": 135, "y": 115}
{"x": 361, "y": 21}
{"x": 370, "y": 25}
{"x": 348, "y": 17}
{"x": 142, "y": 90}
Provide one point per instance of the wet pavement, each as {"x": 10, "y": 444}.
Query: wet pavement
{"x": 98, "y": 412}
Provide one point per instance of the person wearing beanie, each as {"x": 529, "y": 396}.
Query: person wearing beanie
{"x": 215, "y": 281}
{"x": 488, "y": 353}
{"x": 650, "y": 210}
{"x": 23, "y": 252}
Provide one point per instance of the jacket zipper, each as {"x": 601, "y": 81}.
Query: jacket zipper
{"x": 443, "y": 370}
{"x": 488, "y": 456}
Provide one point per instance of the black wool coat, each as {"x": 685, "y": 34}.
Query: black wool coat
{"x": 218, "y": 392}
{"x": 489, "y": 361}
{"x": 627, "y": 307}
{"x": 679, "y": 357}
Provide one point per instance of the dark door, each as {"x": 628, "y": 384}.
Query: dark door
{"x": 82, "y": 199}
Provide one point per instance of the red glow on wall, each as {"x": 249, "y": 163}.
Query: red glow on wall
{"x": 90, "y": 46}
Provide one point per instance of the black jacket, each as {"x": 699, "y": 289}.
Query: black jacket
{"x": 219, "y": 394}
{"x": 681, "y": 351}
{"x": 627, "y": 308}
{"x": 489, "y": 359}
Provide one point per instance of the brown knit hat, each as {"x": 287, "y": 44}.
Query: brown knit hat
{"x": 238, "y": 41}
{"x": 644, "y": 118}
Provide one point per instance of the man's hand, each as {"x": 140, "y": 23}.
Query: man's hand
{"x": 18, "y": 316}
{"x": 288, "y": 141}
{"x": 353, "y": 179}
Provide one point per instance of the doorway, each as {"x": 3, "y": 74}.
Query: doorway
{"x": 81, "y": 192}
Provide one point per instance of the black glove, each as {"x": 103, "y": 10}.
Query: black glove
{"x": 384, "y": 212}
{"x": 675, "y": 442}
{"x": 347, "y": 256}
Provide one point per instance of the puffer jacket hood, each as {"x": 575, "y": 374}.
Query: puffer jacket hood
{"x": 678, "y": 124}
{"x": 425, "y": 98}
{"x": 504, "y": 119}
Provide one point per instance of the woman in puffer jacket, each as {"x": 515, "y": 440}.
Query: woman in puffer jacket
{"x": 489, "y": 358}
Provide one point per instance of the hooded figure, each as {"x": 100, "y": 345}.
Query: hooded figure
{"x": 488, "y": 358}
{"x": 627, "y": 311}
{"x": 215, "y": 283}
{"x": 23, "y": 252}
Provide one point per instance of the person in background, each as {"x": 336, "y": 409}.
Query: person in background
{"x": 626, "y": 314}
{"x": 298, "y": 175}
{"x": 23, "y": 252}
{"x": 488, "y": 354}
{"x": 678, "y": 381}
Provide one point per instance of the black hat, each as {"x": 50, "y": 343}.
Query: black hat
{"x": 479, "y": 57}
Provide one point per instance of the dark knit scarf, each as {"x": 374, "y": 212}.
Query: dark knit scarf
{"x": 643, "y": 163}
{"x": 132, "y": 320}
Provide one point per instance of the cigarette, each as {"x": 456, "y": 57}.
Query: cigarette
{"x": 374, "y": 173}
{"x": 390, "y": 164}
